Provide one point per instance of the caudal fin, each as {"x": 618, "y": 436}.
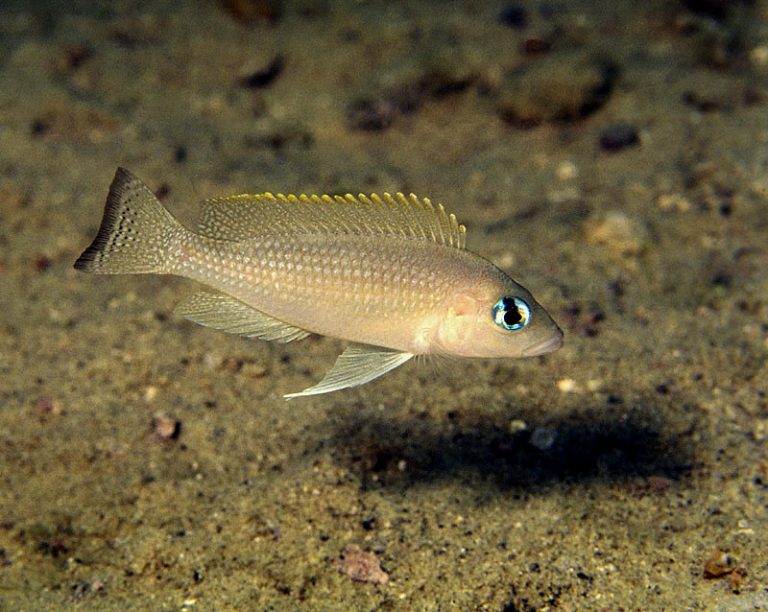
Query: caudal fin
{"x": 137, "y": 234}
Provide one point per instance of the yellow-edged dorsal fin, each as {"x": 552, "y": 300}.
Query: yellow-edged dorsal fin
{"x": 242, "y": 217}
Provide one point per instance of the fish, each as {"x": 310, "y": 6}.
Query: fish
{"x": 389, "y": 274}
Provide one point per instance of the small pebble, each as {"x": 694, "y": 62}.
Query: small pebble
{"x": 567, "y": 171}
{"x": 180, "y": 154}
{"x": 659, "y": 483}
{"x": 40, "y": 127}
{"x": 558, "y": 88}
{"x": 264, "y": 75}
{"x": 361, "y": 566}
{"x": 714, "y": 9}
{"x": 83, "y": 588}
{"x": 254, "y": 370}
{"x": 41, "y": 263}
{"x": 673, "y": 201}
{"x": 718, "y": 565}
{"x": 517, "y": 425}
{"x": 75, "y": 56}
{"x": 249, "y": 12}
{"x": 543, "y": 438}
{"x": 568, "y": 385}
{"x": 594, "y": 385}
{"x": 759, "y": 56}
{"x": 46, "y": 405}
{"x": 536, "y": 46}
{"x": 165, "y": 427}
{"x": 212, "y": 361}
{"x": 617, "y": 137}
{"x": 371, "y": 115}
{"x": 617, "y": 231}
{"x": 514, "y": 16}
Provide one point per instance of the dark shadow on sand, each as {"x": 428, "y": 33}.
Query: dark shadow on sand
{"x": 593, "y": 445}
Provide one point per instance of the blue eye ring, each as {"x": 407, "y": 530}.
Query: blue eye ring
{"x": 511, "y": 313}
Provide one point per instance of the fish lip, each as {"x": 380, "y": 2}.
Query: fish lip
{"x": 546, "y": 346}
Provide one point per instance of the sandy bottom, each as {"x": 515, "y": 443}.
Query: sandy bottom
{"x": 611, "y": 157}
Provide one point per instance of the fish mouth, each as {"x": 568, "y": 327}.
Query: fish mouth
{"x": 546, "y": 346}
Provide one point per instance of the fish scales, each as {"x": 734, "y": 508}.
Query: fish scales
{"x": 327, "y": 286}
{"x": 389, "y": 274}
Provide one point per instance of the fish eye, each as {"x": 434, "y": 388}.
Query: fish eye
{"x": 511, "y": 313}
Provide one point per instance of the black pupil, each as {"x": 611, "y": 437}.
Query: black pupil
{"x": 512, "y": 316}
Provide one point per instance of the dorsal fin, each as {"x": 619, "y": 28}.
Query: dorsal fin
{"x": 242, "y": 217}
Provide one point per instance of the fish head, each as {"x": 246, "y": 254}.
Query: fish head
{"x": 497, "y": 319}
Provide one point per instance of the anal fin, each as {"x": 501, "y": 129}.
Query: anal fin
{"x": 230, "y": 315}
{"x": 357, "y": 365}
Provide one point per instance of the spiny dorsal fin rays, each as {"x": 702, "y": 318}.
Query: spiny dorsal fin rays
{"x": 413, "y": 209}
{"x": 373, "y": 206}
{"x": 242, "y": 217}
{"x": 416, "y": 209}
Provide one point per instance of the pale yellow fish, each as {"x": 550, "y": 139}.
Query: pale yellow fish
{"x": 390, "y": 274}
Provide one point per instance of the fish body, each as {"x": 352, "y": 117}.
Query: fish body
{"x": 389, "y": 274}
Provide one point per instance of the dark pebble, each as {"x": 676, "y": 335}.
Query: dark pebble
{"x": 370, "y": 115}
{"x": 180, "y": 154}
{"x": 514, "y": 16}
{"x": 703, "y": 102}
{"x": 716, "y": 9}
{"x": 77, "y": 55}
{"x": 722, "y": 279}
{"x": 249, "y": 12}
{"x": 536, "y": 46}
{"x": 39, "y": 127}
{"x": 264, "y": 77}
{"x": 41, "y": 263}
{"x": 618, "y": 136}
{"x": 616, "y": 288}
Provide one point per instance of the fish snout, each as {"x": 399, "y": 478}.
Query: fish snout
{"x": 545, "y": 346}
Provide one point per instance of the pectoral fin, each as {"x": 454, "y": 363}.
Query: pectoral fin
{"x": 357, "y": 365}
{"x": 229, "y": 315}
